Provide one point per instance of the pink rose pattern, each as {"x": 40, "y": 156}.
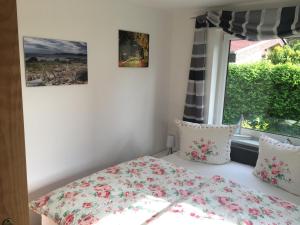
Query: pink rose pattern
{"x": 186, "y": 196}
{"x": 274, "y": 171}
{"x": 236, "y": 205}
{"x": 115, "y": 189}
{"x": 200, "y": 151}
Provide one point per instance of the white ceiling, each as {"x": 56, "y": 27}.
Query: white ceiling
{"x": 189, "y": 4}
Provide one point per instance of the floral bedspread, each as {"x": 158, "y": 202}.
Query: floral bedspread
{"x": 152, "y": 191}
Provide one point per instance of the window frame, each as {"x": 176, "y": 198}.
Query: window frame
{"x": 220, "y": 95}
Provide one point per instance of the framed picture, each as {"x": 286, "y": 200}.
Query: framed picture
{"x": 51, "y": 62}
{"x": 133, "y": 49}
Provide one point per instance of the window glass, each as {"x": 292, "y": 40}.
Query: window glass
{"x": 263, "y": 86}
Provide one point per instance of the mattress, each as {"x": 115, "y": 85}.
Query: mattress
{"x": 237, "y": 172}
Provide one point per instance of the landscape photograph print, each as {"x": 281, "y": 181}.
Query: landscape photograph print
{"x": 133, "y": 49}
{"x": 51, "y": 62}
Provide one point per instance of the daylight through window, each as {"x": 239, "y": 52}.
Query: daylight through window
{"x": 263, "y": 86}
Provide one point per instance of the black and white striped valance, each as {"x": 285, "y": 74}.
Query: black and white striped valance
{"x": 257, "y": 24}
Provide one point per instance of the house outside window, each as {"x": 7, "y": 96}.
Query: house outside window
{"x": 242, "y": 51}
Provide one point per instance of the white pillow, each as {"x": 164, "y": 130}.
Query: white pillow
{"x": 205, "y": 143}
{"x": 279, "y": 164}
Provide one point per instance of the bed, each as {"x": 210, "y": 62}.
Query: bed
{"x": 169, "y": 191}
{"x": 234, "y": 171}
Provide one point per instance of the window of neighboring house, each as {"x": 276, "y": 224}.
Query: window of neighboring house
{"x": 263, "y": 86}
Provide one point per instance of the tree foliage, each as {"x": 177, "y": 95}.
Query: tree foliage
{"x": 295, "y": 44}
{"x": 285, "y": 54}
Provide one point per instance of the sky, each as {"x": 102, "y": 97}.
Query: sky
{"x": 53, "y": 46}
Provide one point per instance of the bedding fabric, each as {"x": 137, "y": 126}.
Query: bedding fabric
{"x": 205, "y": 143}
{"x": 237, "y": 172}
{"x": 279, "y": 164}
{"x": 152, "y": 191}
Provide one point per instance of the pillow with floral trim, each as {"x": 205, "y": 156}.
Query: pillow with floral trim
{"x": 279, "y": 164}
{"x": 205, "y": 143}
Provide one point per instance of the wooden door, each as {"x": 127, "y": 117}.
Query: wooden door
{"x": 13, "y": 186}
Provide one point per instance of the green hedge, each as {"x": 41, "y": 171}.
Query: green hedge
{"x": 267, "y": 95}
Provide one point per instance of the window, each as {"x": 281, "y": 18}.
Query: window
{"x": 263, "y": 86}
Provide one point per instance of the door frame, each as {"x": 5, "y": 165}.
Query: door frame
{"x": 13, "y": 183}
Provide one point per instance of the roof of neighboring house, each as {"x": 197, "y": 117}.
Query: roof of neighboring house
{"x": 237, "y": 45}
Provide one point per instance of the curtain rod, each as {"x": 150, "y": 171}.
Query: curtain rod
{"x": 195, "y": 17}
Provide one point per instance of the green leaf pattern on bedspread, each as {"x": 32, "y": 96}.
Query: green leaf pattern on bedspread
{"x": 152, "y": 191}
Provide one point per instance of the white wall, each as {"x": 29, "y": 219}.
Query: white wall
{"x": 122, "y": 113}
{"x": 181, "y": 51}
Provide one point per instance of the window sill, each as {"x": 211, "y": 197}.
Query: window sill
{"x": 252, "y": 143}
